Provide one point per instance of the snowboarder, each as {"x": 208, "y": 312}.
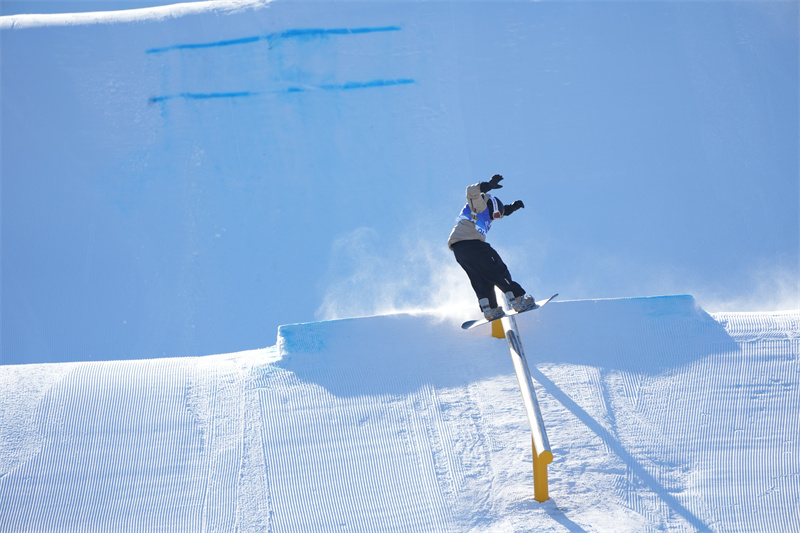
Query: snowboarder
{"x": 478, "y": 259}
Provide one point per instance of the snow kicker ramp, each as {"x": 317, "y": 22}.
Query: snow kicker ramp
{"x": 660, "y": 418}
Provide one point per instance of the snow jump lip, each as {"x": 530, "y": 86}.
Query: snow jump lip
{"x": 648, "y": 335}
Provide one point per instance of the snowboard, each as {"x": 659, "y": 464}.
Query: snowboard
{"x": 469, "y": 324}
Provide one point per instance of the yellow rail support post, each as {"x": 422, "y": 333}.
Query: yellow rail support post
{"x": 497, "y": 330}
{"x": 542, "y": 455}
{"x": 541, "y": 492}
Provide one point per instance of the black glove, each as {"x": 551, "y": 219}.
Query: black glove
{"x": 513, "y": 207}
{"x": 493, "y": 183}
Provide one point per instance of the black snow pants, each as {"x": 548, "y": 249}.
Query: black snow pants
{"x": 485, "y": 270}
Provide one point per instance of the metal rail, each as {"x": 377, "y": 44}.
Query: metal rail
{"x": 542, "y": 455}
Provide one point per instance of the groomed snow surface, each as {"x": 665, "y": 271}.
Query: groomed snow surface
{"x": 661, "y": 417}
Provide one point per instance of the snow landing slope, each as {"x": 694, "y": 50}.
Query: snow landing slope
{"x": 661, "y": 418}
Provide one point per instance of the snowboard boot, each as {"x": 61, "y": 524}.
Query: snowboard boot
{"x": 489, "y": 312}
{"x": 520, "y": 303}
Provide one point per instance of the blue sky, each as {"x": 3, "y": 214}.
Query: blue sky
{"x": 655, "y": 146}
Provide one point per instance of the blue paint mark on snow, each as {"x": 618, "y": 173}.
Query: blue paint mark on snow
{"x": 302, "y": 33}
{"x": 365, "y": 85}
{"x": 272, "y": 37}
{"x": 201, "y": 96}
{"x": 328, "y": 87}
{"x": 351, "y": 85}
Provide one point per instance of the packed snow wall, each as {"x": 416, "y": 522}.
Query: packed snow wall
{"x": 183, "y": 180}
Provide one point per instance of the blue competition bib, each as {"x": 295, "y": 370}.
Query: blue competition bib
{"x": 483, "y": 221}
